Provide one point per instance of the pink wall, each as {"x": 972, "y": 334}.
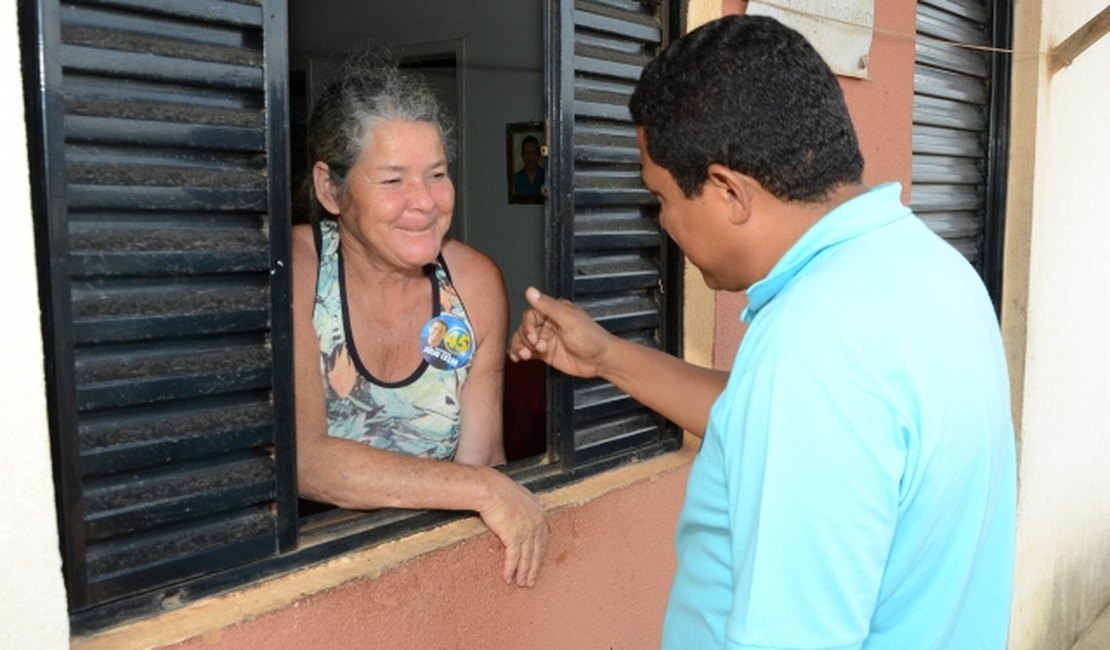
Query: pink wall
{"x": 604, "y": 585}
{"x": 882, "y": 110}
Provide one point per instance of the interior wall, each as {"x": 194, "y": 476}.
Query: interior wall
{"x": 1057, "y": 321}
{"x": 501, "y": 67}
{"x": 32, "y": 595}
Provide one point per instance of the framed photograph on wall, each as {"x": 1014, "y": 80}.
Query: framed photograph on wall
{"x": 526, "y": 162}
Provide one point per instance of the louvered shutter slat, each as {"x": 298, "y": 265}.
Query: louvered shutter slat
{"x": 149, "y": 437}
{"x": 614, "y": 231}
{"x": 939, "y": 112}
{"x": 173, "y": 553}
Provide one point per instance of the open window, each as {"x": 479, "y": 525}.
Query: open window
{"x": 160, "y": 140}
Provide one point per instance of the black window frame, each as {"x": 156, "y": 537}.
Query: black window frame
{"x": 640, "y": 300}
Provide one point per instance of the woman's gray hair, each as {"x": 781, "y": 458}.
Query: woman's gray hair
{"x": 369, "y": 89}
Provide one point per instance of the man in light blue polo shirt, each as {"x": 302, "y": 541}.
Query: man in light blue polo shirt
{"x": 856, "y": 483}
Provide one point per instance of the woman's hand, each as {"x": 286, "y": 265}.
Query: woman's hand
{"x": 519, "y": 521}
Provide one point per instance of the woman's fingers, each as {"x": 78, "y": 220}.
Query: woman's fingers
{"x": 511, "y": 567}
{"x": 519, "y": 521}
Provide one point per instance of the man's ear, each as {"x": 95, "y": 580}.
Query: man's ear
{"x": 735, "y": 188}
{"x": 324, "y": 187}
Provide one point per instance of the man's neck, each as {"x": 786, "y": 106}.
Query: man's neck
{"x": 784, "y": 222}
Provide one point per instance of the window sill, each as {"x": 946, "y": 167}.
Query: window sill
{"x": 212, "y": 614}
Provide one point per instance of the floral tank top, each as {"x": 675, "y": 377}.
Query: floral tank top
{"x": 418, "y": 415}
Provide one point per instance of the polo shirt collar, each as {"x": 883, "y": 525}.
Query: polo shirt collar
{"x": 875, "y": 208}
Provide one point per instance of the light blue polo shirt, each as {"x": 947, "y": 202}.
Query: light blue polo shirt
{"x": 856, "y": 486}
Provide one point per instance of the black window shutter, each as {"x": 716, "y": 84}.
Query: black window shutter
{"x": 960, "y": 119}
{"x": 606, "y": 250}
{"x": 157, "y": 132}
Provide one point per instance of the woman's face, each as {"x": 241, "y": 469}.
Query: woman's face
{"x": 399, "y": 198}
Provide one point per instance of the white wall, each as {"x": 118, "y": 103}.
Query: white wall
{"x": 502, "y": 71}
{"x": 32, "y": 595}
{"x": 1059, "y": 217}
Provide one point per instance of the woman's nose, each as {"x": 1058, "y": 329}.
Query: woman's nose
{"x": 420, "y": 196}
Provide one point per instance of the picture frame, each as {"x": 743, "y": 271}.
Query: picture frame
{"x": 525, "y": 146}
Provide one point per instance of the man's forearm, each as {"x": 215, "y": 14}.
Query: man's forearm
{"x": 679, "y": 391}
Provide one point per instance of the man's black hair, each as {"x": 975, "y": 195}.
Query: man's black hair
{"x": 752, "y": 94}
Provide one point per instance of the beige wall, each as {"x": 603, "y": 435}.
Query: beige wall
{"x": 1057, "y": 316}
{"x": 32, "y": 597}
